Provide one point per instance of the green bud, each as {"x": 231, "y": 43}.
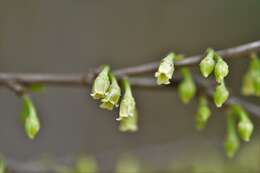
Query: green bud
{"x": 251, "y": 81}
{"x": 101, "y": 84}
{"x": 245, "y": 129}
{"x": 30, "y": 118}
{"x": 220, "y": 94}
{"x": 245, "y": 126}
{"x": 208, "y": 63}
{"x": 165, "y": 70}
{"x": 86, "y": 164}
{"x": 112, "y": 96}
{"x": 187, "y": 87}
{"x": 255, "y": 73}
{"x": 203, "y": 113}
{"x": 2, "y": 165}
{"x": 232, "y": 142}
{"x": 129, "y": 124}
{"x": 221, "y": 69}
{"x": 248, "y": 85}
{"x": 127, "y": 105}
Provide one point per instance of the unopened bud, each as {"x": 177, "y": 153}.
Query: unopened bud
{"x": 245, "y": 125}
{"x": 221, "y": 69}
{"x": 207, "y": 64}
{"x": 221, "y": 94}
{"x": 203, "y": 113}
{"x": 187, "y": 87}
{"x": 232, "y": 142}
{"x": 30, "y": 118}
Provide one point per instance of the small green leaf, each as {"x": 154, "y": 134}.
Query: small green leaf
{"x": 127, "y": 105}
{"x": 86, "y": 164}
{"x": 232, "y": 142}
{"x": 187, "y": 88}
{"x": 30, "y": 118}
{"x": 203, "y": 113}
{"x": 208, "y": 63}
{"x": 165, "y": 70}
{"x": 220, "y": 94}
{"x": 101, "y": 84}
{"x": 221, "y": 69}
{"x": 112, "y": 96}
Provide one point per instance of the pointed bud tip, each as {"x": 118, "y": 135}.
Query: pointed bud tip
{"x": 32, "y": 127}
{"x": 221, "y": 70}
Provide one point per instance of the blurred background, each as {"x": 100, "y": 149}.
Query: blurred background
{"x": 72, "y": 36}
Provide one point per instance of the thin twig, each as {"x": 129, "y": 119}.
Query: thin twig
{"x": 16, "y": 87}
{"x": 229, "y": 53}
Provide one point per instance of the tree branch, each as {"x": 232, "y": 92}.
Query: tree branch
{"x": 18, "y": 82}
{"x": 229, "y": 53}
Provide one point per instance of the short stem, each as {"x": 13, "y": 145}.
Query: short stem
{"x": 231, "y": 125}
{"x": 126, "y": 86}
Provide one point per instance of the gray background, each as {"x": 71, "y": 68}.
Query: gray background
{"x": 73, "y": 36}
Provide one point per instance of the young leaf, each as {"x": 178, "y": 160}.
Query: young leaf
{"x": 165, "y": 70}
{"x": 221, "y": 69}
{"x": 30, "y": 118}
{"x": 112, "y": 96}
{"x": 232, "y": 142}
{"x": 220, "y": 94}
{"x": 101, "y": 84}
{"x": 203, "y": 113}
{"x": 208, "y": 63}
{"x": 127, "y": 105}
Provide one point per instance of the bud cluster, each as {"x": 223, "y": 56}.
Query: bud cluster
{"x": 237, "y": 121}
{"x": 213, "y": 62}
{"x": 107, "y": 90}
